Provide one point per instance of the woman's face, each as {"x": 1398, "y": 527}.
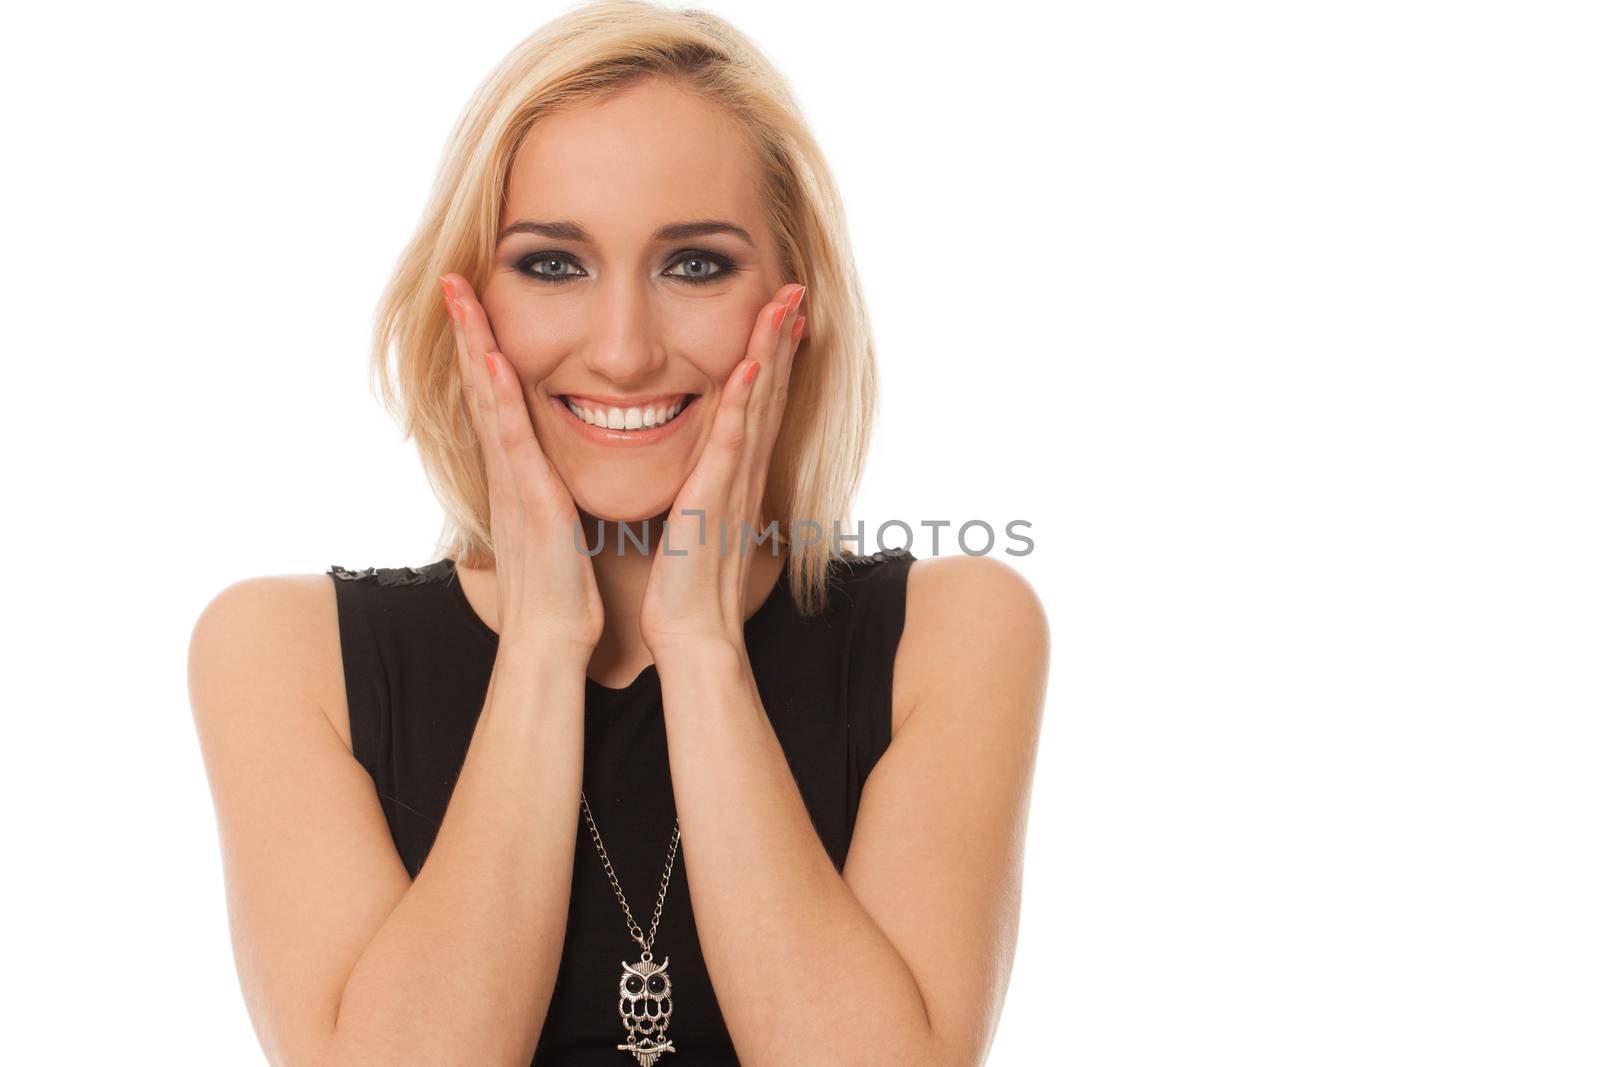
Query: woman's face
{"x": 595, "y": 298}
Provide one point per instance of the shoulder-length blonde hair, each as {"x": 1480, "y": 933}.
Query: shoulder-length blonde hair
{"x": 583, "y": 55}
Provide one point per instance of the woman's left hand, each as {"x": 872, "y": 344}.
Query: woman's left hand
{"x": 696, "y": 592}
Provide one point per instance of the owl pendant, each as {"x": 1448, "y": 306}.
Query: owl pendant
{"x": 645, "y": 1003}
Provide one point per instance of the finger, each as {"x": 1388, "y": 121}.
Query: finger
{"x": 765, "y": 413}
{"x": 770, "y": 329}
{"x": 765, "y": 419}
{"x": 769, "y": 344}
{"x": 779, "y": 347}
{"x": 796, "y": 335}
{"x": 770, "y": 323}
{"x": 474, "y": 321}
{"x": 724, "y": 452}
{"x": 504, "y": 424}
{"x": 513, "y": 424}
{"x": 769, "y": 403}
{"x": 472, "y": 326}
{"x": 783, "y": 368}
{"x": 484, "y": 402}
{"x": 786, "y": 327}
{"x": 474, "y": 395}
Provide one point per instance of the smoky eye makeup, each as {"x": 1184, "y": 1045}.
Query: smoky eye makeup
{"x": 699, "y": 267}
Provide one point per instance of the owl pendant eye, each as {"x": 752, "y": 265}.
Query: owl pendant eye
{"x": 645, "y": 1004}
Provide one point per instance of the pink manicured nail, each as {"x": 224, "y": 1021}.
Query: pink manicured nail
{"x": 488, "y": 361}
{"x": 799, "y": 324}
{"x": 750, "y": 375}
{"x": 777, "y": 320}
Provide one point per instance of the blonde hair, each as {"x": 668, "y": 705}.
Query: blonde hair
{"x": 584, "y": 55}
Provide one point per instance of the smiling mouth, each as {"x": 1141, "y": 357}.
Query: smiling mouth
{"x": 623, "y": 419}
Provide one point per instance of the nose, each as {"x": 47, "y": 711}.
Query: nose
{"x": 622, "y": 344}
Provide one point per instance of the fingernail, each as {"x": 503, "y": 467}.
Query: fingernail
{"x": 488, "y": 361}
{"x": 799, "y": 324}
{"x": 750, "y": 374}
{"x": 799, "y": 295}
{"x": 777, "y": 318}
{"x": 449, "y": 290}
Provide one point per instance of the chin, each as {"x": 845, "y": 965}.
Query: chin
{"x": 615, "y": 503}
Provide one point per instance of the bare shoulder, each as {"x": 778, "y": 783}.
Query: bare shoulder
{"x": 284, "y": 630}
{"x": 967, "y": 618}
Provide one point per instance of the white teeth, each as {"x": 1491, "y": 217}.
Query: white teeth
{"x": 630, "y": 419}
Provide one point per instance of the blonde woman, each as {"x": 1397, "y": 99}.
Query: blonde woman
{"x": 580, "y": 792}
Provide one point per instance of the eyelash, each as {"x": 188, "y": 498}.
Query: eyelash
{"x": 726, "y": 267}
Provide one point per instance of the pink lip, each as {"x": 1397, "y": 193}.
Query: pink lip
{"x": 623, "y": 438}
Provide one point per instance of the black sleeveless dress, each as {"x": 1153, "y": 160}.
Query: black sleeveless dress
{"x": 417, "y": 659}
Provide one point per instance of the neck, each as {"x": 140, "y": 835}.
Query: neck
{"x": 620, "y": 577}
{"x": 621, "y": 570}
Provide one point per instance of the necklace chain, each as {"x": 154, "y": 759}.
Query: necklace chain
{"x": 661, "y": 897}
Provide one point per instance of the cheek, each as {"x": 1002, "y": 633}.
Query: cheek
{"x": 532, "y": 338}
{"x": 717, "y": 337}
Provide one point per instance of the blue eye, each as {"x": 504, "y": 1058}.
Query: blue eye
{"x": 703, "y": 261}
{"x": 528, "y": 264}
{"x": 702, "y": 267}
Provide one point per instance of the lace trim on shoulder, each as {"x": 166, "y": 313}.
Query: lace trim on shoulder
{"x": 431, "y": 572}
{"x": 881, "y": 556}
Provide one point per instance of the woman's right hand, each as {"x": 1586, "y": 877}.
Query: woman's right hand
{"x": 547, "y": 590}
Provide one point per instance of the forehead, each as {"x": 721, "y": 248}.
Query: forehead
{"x": 620, "y": 167}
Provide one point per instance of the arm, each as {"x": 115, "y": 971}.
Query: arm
{"x": 342, "y": 958}
{"x": 904, "y": 959}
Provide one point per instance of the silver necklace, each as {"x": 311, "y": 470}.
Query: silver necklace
{"x": 645, "y": 992}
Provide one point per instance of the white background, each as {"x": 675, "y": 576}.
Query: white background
{"x": 1277, "y": 320}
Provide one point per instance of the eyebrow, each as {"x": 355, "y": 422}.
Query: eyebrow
{"x": 676, "y": 231}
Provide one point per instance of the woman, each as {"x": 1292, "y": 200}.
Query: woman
{"x": 454, "y": 798}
